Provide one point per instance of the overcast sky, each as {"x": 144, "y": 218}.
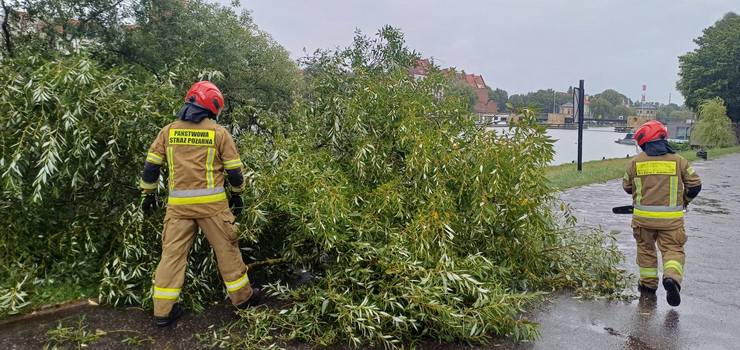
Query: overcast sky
{"x": 517, "y": 45}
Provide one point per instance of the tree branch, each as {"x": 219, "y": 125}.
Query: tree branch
{"x": 98, "y": 12}
{"x": 267, "y": 262}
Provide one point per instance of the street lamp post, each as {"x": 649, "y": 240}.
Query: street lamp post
{"x": 579, "y": 94}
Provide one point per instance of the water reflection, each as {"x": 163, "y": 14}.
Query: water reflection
{"x": 648, "y": 330}
{"x": 670, "y": 324}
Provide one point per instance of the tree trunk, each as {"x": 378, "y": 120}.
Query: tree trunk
{"x": 6, "y": 28}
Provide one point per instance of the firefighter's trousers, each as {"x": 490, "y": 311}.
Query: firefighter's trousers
{"x": 177, "y": 239}
{"x": 670, "y": 242}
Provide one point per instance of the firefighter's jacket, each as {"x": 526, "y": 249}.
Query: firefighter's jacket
{"x": 661, "y": 187}
{"x": 198, "y": 157}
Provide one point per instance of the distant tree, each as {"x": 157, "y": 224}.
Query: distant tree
{"x": 500, "y": 96}
{"x": 62, "y": 24}
{"x": 714, "y": 128}
{"x": 518, "y": 101}
{"x": 664, "y": 111}
{"x": 601, "y": 108}
{"x": 545, "y": 101}
{"x": 711, "y": 70}
{"x": 614, "y": 97}
{"x": 194, "y": 38}
{"x": 257, "y": 71}
{"x": 623, "y": 111}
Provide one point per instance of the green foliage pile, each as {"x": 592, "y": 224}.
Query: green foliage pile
{"x": 86, "y": 91}
{"x": 72, "y": 138}
{"x": 714, "y": 128}
{"x": 414, "y": 223}
{"x": 711, "y": 69}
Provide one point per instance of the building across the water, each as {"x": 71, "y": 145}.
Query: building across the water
{"x": 679, "y": 130}
{"x": 646, "y": 110}
{"x": 485, "y": 108}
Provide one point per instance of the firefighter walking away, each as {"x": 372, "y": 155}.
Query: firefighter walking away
{"x": 662, "y": 184}
{"x": 200, "y": 156}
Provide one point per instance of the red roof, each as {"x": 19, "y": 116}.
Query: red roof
{"x": 475, "y": 81}
{"x": 421, "y": 68}
{"x": 484, "y": 105}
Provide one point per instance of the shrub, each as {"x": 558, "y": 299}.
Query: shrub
{"x": 714, "y": 128}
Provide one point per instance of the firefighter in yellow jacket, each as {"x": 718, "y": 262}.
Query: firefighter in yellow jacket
{"x": 662, "y": 184}
{"x": 199, "y": 155}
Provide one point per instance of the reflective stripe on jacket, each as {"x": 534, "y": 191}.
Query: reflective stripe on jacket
{"x": 196, "y": 156}
{"x": 658, "y": 186}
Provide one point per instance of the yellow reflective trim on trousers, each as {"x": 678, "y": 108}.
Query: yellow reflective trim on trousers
{"x": 674, "y": 191}
{"x": 166, "y": 293}
{"x": 648, "y": 272}
{"x": 168, "y": 290}
{"x": 197, "y": 200}
{"x": 658, "y": 214}
{"x": 233, "y": 286}
{"x": 209, "y": 167}
{"x": 656, "y": 167}
{"x": 638, "y": 190}
{"x": 171, "y": 164}
{"x": 673, "y": 264}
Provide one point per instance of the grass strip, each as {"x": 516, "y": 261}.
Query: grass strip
{"x": 566, "y": 176}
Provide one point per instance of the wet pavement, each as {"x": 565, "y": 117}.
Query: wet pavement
{"x": 709, "y": 314}
{"x": 708, "y": 317}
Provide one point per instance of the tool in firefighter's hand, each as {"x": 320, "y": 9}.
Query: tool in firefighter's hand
{"x": 625, "y": 209}
{"x": 629, "y": 209}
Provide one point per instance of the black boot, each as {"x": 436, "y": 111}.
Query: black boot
{"x": 175, "y": 313}
{"x": 254, "y": 300}
{"x": 673, "y": 291}
{"x": 646, "y": 290}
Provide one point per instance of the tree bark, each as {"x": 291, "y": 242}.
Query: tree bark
{"x": 6, "y": 29}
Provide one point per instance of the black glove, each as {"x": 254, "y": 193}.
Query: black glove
{"x": 149, "y": 203}
{"x": 236, "y": 203}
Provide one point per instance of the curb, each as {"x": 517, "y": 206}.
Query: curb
{"x": 49, "y": 311}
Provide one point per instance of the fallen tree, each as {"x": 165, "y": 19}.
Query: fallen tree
{"x": 413, "y": 222}
{"x": 421, "y": 224}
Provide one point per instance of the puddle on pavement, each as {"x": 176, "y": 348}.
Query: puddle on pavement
{"x": 699, "y": 204}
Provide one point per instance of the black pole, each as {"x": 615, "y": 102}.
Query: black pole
{"x": 580, "y": 125}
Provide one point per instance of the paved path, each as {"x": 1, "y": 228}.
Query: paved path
{"x": 709, "y": 314}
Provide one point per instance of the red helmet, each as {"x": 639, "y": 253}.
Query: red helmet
{"x": 650, "y": 131}
{"x": 206, "y": 95}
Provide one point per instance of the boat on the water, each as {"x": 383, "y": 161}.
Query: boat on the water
{"x": 627, "y": 140}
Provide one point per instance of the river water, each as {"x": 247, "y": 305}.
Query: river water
{"x": 598, "y": 143}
